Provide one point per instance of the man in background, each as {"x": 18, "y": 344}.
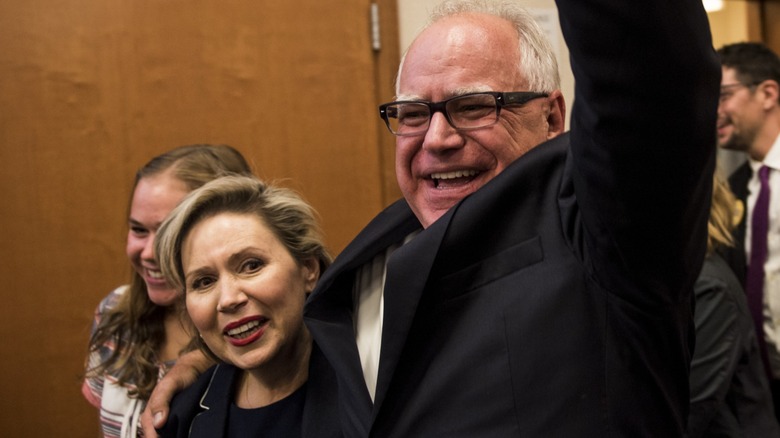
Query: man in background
{"x": 749, "y": 121}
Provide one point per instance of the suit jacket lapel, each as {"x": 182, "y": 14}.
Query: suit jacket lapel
{"x": 328, "y": 312}
{"x": 739, "y": 185}
{"x": 407, "y": 274}
{"x": 735, "y": 256}
{"x": 739, "y": 180}
{"x": 216, "y": 401}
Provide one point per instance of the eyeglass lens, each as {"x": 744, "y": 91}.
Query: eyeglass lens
{"x": 728, "y": 90}
{"x": 463, "y": 112}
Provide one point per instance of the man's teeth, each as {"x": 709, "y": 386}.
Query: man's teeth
{"x": 453, "y": 175}
{"x": 243, "y": 331}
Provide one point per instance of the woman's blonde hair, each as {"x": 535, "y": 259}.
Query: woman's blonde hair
{"x": 725, "y": 213}
{"x": 284, "y": 212}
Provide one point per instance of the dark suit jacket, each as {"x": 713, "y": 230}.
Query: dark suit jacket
{"x": 730, "y": 394}
{"x": 735, "y": 256}
{"x": 201, "y": 410}
{"x": 556, "y": 300}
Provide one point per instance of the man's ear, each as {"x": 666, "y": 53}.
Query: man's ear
{"x": 770, "y": 92}
{"x": 556, "y": 118}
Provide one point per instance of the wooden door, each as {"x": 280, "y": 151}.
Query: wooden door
{"x": 771, "y": 29}
{"x": 91, "y": 89}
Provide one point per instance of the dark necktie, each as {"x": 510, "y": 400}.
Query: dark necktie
{"x": 754, "y": 285}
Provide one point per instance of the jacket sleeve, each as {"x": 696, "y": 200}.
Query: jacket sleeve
{"x": 718, "y": 347}
{"x": 643, "y": 138}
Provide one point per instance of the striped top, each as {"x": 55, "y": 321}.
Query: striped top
{"x": 120, "y": 414}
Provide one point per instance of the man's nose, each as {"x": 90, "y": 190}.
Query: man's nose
{"x": 441, "y": 135}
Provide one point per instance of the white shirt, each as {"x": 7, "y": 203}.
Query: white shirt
{"x": 369, "y": 301}
{"x": 772, "y": 265}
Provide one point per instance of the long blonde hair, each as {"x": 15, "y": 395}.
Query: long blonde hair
{"x": 136, "y": 325}
{"x": 725, "y": 212}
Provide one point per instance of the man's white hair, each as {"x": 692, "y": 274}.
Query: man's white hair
{"x": 536, "y": 60}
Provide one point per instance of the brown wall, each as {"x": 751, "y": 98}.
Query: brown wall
{"x": 91, "y": 89}
{"x": 770, "y": 24}
{"x": 748, "y": 20}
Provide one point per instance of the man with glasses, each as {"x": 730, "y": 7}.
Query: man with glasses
{"x": 531, "y": 282}
{"x": 749, "y": 121}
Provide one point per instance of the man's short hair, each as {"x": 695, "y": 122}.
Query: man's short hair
{"x": 753, "y": 63}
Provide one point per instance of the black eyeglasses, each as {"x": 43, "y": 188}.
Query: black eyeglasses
{"x": 726, "y": 91}
{"x": 465, "y": 112}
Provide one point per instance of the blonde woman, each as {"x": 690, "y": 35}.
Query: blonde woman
{"x": 247, "y": 255}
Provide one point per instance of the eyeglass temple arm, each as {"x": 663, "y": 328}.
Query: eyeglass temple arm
{"x": 520, "y": 98}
